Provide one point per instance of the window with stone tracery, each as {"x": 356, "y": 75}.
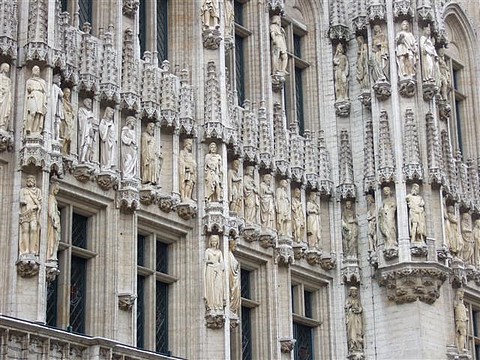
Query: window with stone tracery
{"x": 473, "y": 328}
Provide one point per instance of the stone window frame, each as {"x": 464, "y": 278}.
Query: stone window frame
{"x": 473, "y": 339}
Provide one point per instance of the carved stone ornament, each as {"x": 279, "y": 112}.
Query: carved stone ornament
{"x": 268, "y": 238}
{"x": 108, "y": 179}
{"x": 406, "y": 283}
{"x": 366, "y": 99}
{"x": 130, "y": 7}
{"x": 434, "y": 151}
{"x": 342, "y": 108}
{"x": 444, "y": 110}
{"x": 412, "y": 163}
{"x": 313, "y": 256}
{"x": 356, "y": 355}
{"x": 276, "y": 7}
{"x": 6, "y": 140}
{"x": 325, "y": 182}
{"x": 251, "y": 232}
{"x": 430, "y": 89}
{"x": 214, "y": 320}
{"x": 284, "y": 254}
{"x": 126, "y": 301}
{"x": 27, "y": 267}
{"x": 328, "y": 261}
{"x": 214, "y": 221}
{"x": 299, "y": 250}
{"x": 339, "y": 32}
{"x": 33, "y": 152}
{"x": 407, "y": 87}
{"x": 51, "y": 271}
{"x": 287, "y": 345}
{"x": 130, "y": 98}
{"x": 148, "y": 194}
{"x": 386, "y": 166}
{"x": 419, "y": 250}
{"x": 346, "y": 189}
{"x": 402, "y": 9}
{"x": 128, "y": 198}
{"x": 369, "y": 180}
{"x": 278, "y": 80}
{"x": 425, "y": 11}
{"x": 458, "y": 274}
{"x": 383, "y": 90}
{"x": 376, "y": 11}
{"x": 167, "y": 203}
{"x": 390, "y": 254}
{"x": 85, "y": 172}
{"x": 350, "y": 272}
{"x": 186, "y": 211}
{"x": 211, "y": 38}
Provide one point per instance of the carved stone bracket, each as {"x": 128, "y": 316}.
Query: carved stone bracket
{"x": 356, "y": 355}
{"x": 299, "y": 250}
{"x": 454, "y": 354}
{"x": 287, "y": 345}
{"x": 186, "y": 210}
{"x": 214, "y": 320}
{"x": 390, "y": 254}
{"x": 328, "y": 261}
{"x": 130, "y": 7}
{"x": 458, "y": 274}
{"x": 276, "y": 7}
{"x": 167, "y": 203}
{"x": 56, "y": 159}
{"x": 313, "y": 256}
{"x": 383, "y": 90}
{"x": 28, "y": 266}
{"x": 444, "y": 110}
{"x": 251, "y": 232}
{"x": 126, "y": 301}
{"x": 108, "y": 179}
{"x": 33, "y": 152}
{"x": 366, "y": 99}
{"x": 51, "y": 271}
{"x": 6, "y": 140}
{"x": 402, "y": 9}
{"x": 128, "y": 197}
{"x": 342, "y": 108}
{"x": 211, "y": 38}
{"x": 350, "y": 272}
{"x": 38, "y": 51}
{"x": 373, "y": 259}
{"x": 419, "y": 250}
{"x": 284, "y": 254}
{"x": 85, "y": 172}
{"x": 426, "y": 13}
{"x": 408, "y": 282}
{"x": 407, "y": 87}
{"x": 278, "y": 80}
{"x": 268, "y": 238}
{"x": 359, "y": 23}
{"x": 214, "y": 221}
{"x": 430, "y": 89}
{"x": 148, "y": 194}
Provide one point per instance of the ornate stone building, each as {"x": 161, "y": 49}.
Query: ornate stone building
{"x": 239, "y": 179}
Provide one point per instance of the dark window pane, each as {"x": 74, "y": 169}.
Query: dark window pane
{"x": 475, "y": 316}
{"x": 140, "y": 311}
{"x": 79, "y": 231}
{"x": 52, "y": 296}
{"x": 458, "y": 113}
{"x": 78, "y": 294}
{"x": 161, "y": 324}
{"x": 245, "y": 283}
{"x": 307, "y": 297}
{"x": 299, "y": 99}
{"x": 140, "y": 250}
{"x": 162, "y": 257}
{"x": 142, "y": 30}
{"x": 456, "y": 79}
{"x": 297, "y": 45}
{"x": 162, "y": 29}
{"x": 304, "y": 345}
{"x": 85, "y": 11}
{"x": 240, "y": 69}
{"x": 246, "y": 333}
{"x": 238, "y": 11}
{"x": 64, "y": 5}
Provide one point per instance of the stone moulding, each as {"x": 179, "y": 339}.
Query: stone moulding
{"x": 408, "y": 282}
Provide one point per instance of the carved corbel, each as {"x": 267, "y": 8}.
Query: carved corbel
{"x": 126, "y": 301}
{"x": 128, "y": 197}
{"x": 287, "y": 345}
{"x": 28, "y": 266}
{"x": 214, "y": 221}
{"x": 130, "y": 7}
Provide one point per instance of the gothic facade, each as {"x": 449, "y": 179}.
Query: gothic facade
{"x": 239, "y": 179}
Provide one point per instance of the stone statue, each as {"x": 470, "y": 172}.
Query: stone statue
{"x": 476, "y": 237}
{"x": 342, "y": 72}
{"x": 210, "y": 16}
{"x": 380, "y": 56}
{"x": 88, "y": 126}
{"x": 387, "y": 218}
{"x": 468, "y": 251}
{"x": 444, "y": 81}
{"x": 188, "y": 171}
{"x": 56, "y": 106}
{"x": 267, "y": 202}
{"x": 279, "y": 46}
{"x": 452, "y": 234}
{"x": 35, "y": 103}
{"x": 54, "y": 223}
{"x": 151, "y": 158}
{"x": 235, "y": 189}
{"x": 429, "y": 56}
{"x": 416, "y": 216}
{"x": 129, "y": 149}
{"x": 372, "y": 223}
{"x": 283, "y": 208}
{"x": 234, "y": 279}
{"x": 461, "y": 320}
{"x": 214, "y": 276}
{"x": 30, "y": 208}
{"x": 250, "y": 195}
{"x": 354, "y": 320}
{"x": 349, "y": 231}
{"x": 313, "y": 221}
{"x": 5, "y": 97}
{"x": 407, "y": 51}
{"x": 213, "y": 174}
{"x": 66, "y": 126}
{"x": 298, "y": 216}
{"x": 362, "y": 64}
{"x": 108, "y": 140}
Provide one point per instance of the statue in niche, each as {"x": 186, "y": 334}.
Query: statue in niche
{"x": 56, "y": 110}
{"x": 284, "y": 214}
{"x": 213, "y": 174}
{"x": 313, "y": 221}
{"x": 210, "y": 16}
{"x": 88, "y": 131}
{"x": 452, "y": 234}
{"x": 380, "y": 58}
{"x": 444, "y": 81}
{"x": 298, "y": 216}
{"x": 188, "y": 171}
{"x": 235, "y": 189}
{"x": 5, "y": 97}
{"x": 362, "y": 63}
{"x": 429, "y": 56}
{"x": 476, "y": 237}
{"x": 151, "y": 158}
{"x": 129, "y": 149}
{"x": 416, "y": 215}
{"x": 30, "y": 208}
{"x": 354, "y": 320}
{"x": 372, "y": 223}
{"x": 54, "y": 223}
{"x": 214, "y": 276}
{"x": 267, "y": 202}
{"x": 279, "y": 46}
{"x": 108, "y": 140}
{"x": 341, "y": 66}
{"x": 66, "y": 125}
{"x": 35, "y": 103}
{"x": 234, "y": 279}
{"x": 250, "y": 195}
{"x": 349, "y": 231}
{"x": 461, "y": 320}
{"x": 468, "y": 251}
{"x": 387, "y": 218}
{"x": 407, "y": 51}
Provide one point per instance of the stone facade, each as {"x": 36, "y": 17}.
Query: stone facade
{"x": 219, "y": 179}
